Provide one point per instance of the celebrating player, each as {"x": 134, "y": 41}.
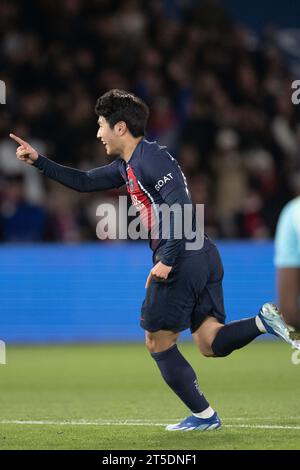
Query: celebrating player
{"x": 184, "y": 287}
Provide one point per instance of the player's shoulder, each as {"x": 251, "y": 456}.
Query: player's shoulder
{"x": 288, "y": 226}
{"x": 292, "y": 205}
{"x": 291, "y": 210}
{"x": 153, "y": 153}
{"x": 153, "y": 147}
{"x": 287, "y": 239}
{"x": 117, "y": 163}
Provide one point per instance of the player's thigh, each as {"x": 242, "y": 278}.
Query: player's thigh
{"x": 205, "y": 335}
{"x": 169, "y": 303}
{"x": 161, "y": 340}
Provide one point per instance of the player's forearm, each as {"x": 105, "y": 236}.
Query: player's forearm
{"x": 70, "y": 177}
{"x": 172, "y": 250}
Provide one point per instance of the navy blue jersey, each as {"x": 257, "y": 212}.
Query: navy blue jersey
{"x": 152, "y": 177}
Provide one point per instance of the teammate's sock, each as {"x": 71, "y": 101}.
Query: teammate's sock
{"x": 235, "y": 335}
{"x": 181, "y": 378}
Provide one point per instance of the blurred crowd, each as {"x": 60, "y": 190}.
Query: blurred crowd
{"x": 219, "y": 96}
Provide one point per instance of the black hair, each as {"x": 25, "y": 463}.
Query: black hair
{"x": 118, "y": 105}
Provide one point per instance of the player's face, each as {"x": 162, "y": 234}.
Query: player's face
{"x": 108, "y": 137}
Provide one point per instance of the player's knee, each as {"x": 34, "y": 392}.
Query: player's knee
{"x": 150, "y": 344}
{"x": 205, "y": 336}
{"x": 205, "y": 346}
{"x": 154, "y": 344}
{"x": 206, "y": 350}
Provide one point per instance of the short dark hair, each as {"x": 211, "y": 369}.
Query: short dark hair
{"x": 118, "y": 105}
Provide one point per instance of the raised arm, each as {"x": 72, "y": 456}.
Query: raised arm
{"x": 105, "y": 177}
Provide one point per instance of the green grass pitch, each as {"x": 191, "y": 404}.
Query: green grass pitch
{"x": 112, "y": 397}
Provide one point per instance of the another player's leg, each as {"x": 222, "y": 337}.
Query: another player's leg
{"x": 181, "y": 378}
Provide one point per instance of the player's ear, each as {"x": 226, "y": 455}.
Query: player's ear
{"x": 121, "y": 127}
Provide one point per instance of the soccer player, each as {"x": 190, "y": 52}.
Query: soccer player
{"x": 287, "y": 261}
{"x": 184, "y": 287}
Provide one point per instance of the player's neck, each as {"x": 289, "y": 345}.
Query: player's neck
{"x": 129, "y": 148}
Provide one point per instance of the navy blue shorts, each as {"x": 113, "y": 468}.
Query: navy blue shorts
{"x": 192, "y": 291}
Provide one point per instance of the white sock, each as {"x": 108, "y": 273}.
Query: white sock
{"x": 207, "y": 413}
{"x": 260, "y": 325}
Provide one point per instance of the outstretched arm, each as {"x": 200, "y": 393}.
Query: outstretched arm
{"x": 105, "y": 177}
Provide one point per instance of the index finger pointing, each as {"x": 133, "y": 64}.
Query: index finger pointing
{"x": 17, "y": 139}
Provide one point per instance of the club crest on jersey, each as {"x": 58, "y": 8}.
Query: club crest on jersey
{"x": 131, "y": 184}
{"x": 163, "y": 181}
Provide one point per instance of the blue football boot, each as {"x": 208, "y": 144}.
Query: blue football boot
{"x": 274, "y": 324}
{"x": 192, "y": 423}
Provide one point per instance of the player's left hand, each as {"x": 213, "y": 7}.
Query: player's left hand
{"x": 159, "y": 271}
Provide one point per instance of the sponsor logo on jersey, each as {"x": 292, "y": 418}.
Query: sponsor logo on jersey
{"x": 160, "y": 183}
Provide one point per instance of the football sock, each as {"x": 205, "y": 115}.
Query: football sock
{"x": 260, "y": 324}
{"x": 235, "y": 335}
{"x": 205, "y": 414}
{"x": 181, "y": 378}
